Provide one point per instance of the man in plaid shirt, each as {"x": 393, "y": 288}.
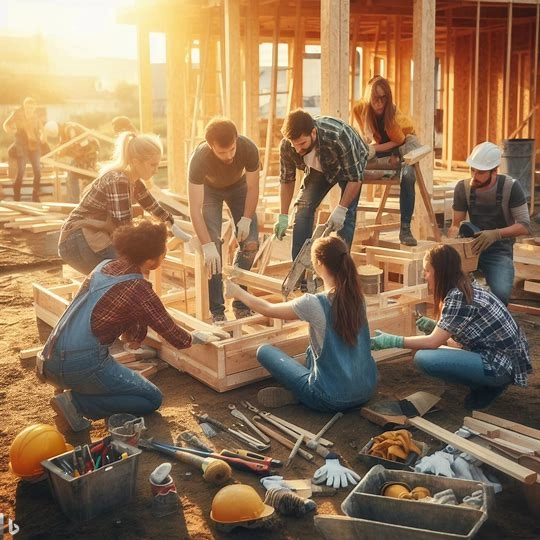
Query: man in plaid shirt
{"x": 330, "y": 152}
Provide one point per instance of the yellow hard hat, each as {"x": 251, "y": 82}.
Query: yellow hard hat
{"x": 33, "y": 445}
{"x": 238, "y": 503}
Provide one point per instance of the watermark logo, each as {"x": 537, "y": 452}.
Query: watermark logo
{"x": 12, "y": 527}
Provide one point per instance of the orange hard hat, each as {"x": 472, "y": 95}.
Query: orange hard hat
{"x": 238, "y": 503}
{"x": 31, "y": 446}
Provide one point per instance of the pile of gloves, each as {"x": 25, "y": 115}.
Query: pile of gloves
{"x": 394, "y": 445}
{"x": 280, "y": 496}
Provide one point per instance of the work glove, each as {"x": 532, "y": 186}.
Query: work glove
{"x": 371, "y": 152}
{"x": 425, "y": 324}
{"x": 280, "y": 226}
{"x": 201, "y": 337}
{"x": 242, "y": 228}
{"x": 335, "y": 474}
{"x": 439, "y": 464}
{"x": 232, "y": 289}
{"x": 275, "y": 481}
{"x": 446, "y": 496}
{"x": 483, "y": 239}
{"x": 212, "y": 260}
{"x": 337, "y": 218}
{"x": 385, "y": 341}
{"x": 475, "y": 499}
{"x": 179, "y": 233}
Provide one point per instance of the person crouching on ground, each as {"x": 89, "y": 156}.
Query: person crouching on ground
{"x": 495, "y": 351}
{"x": 114, "y": 300}
{"x": 340, "y": 372}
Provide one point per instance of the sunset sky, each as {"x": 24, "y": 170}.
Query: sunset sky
{"x": 86, "y": 28}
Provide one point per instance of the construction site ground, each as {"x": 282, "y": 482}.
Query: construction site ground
{"x": 26, "y": 258}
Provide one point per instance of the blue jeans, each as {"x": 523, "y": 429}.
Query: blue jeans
{"x": 24, "y": 154}
{"x": 458, "y": 367}
{"x": 294, "y": 376}
{"x": 313, "y": 190}
{"x": 76, "y": 252}
{"x": 407, "y": 194}
{"x": 235, "y": 198}
{"x": 101, "y": 386}
{"x": 498, "y": 269}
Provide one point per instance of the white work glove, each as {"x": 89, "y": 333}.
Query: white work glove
{"x": 445, "y": 497}
{"x": 475, "y": 499}
{"x": 242, "y": 228}
{"x": 179, "y": 233}
{"x": 212, "y": 260}
{"x": 337, "y": 218}
{"x": 438, "y": 463}
{"x": 277, "y": 482}
{"x": 201, "y": 337}
{"x": 335, "y": 474}
{"x": 232, "y": 289}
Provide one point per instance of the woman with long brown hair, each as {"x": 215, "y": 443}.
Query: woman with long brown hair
{"x": 389, "y": 133}
{"x": 340, "y": 372}
{"x": 495, "y": 352}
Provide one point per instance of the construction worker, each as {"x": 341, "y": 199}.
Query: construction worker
{"x": 330, "y": 152}
{"x": 83, "y": 153}
{"x": 390, "y": 133}
{"x": 26, "y": 126}
{"x": 340, "y": 372}
{"x": 115, "y": 300}
{"x": 498, "y": 213}
{"x": 495, "y": 351}
{"x": 122, "y": 123}
{"x": 224, "y": 168}
{"x": 86, "y": 235}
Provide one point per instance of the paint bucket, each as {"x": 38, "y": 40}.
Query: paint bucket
{"x": 126, "y": 428}
{"x": 517, "y": 162}
{"x": 370, "y": 278}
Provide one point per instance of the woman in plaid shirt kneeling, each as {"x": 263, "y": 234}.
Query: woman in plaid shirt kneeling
{"x": 115, "y": 300}
{"x": 495, "y": 351}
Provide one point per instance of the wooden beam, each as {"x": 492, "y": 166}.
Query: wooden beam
{"x": 527, "y": 476}
{"x": 335, "y": 58}
{"x": 145, "y": 79}
{"x": 251, "y": 52}
{"x": 233, "y": 71}
{"x": 507, "y": 424}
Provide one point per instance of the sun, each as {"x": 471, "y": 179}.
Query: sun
{"x": 85, "y": 27}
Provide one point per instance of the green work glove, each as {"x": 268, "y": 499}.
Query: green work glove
{"x": 483, "y": 239}
{"x": 281, "y": 226}
{"x": 426, "y": 325}
{"x": 386, "y": 341}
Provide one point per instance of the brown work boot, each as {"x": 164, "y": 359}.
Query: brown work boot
{"x": 273, "y": 397}
{"x": 64, "y": 407}
{"x": 405, "y": 235}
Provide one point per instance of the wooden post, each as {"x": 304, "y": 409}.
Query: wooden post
{"x": 145, "y": 80}
{"x": 252, "y": 72}
{"x": 233, "y": 72}
{"x": 507, "y": 71}
{"x": 474, "y": 114}
{"x": 176, "y": 117}
{"x": 335, "y": 58}
{"x": 423, "y": 92}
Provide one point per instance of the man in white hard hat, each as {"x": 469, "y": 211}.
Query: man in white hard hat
{"x": 498, "y": 213}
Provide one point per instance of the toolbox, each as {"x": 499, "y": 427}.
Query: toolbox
{"x": 370, "y": 515}
{"x": 84, "y": 497}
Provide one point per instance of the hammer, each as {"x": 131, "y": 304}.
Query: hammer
{"x": 313, "y": 444}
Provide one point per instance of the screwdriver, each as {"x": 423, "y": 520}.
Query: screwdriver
{"x": 251, "y": 456}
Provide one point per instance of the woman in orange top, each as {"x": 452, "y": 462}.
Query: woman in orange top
{"x": 386, "y": 128}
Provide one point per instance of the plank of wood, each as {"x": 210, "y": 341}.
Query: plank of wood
{"x": 527, "y": 476}
{"x": 531, "y": 286}
{"x": 520, "y": 308}
{"x": 493, "y": 431}
{"x": 507, "y": 424}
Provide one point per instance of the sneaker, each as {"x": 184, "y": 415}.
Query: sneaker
{"x": 218, "y": 317}
{"x": 64, "y": 407}
{"x": 406, "y": 237}
{"x": 242, "y": 312}
{"x": 274, "y": 396}
{"x": 481, "y": 398}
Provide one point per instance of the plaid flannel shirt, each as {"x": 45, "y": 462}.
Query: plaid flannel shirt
{"x": 487, "y": 328}
{"x": 130, "y": 307}
{"x": 341, "y": 150}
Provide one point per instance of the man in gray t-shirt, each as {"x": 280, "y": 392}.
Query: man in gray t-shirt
{"x": 224, "y": 169}
{"x": 498, "y": 213}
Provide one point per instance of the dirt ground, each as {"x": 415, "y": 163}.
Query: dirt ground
{"x": 26, "y": 258}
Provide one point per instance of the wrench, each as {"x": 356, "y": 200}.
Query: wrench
{"x": 240, "y": 415}
{"x": 300, "y": 431}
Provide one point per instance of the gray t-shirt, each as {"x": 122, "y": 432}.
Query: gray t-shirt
{"x": 309, "y": 309}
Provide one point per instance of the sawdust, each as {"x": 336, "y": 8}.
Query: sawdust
{"x": 26, "y": 257}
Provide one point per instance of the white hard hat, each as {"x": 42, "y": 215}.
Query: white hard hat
{"x": 485, "y": 156}
{"x": 51, "y": 129}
